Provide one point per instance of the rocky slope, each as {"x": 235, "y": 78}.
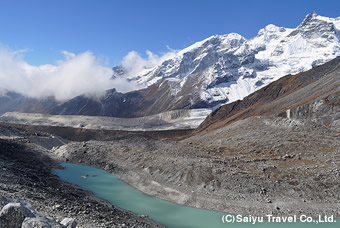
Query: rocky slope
{"x": 312, "y": 95}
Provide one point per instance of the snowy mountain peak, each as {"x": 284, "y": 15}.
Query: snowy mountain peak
{"x": 270, "y": 32}
{"x": 316, "y": 24}
{"x": 309, "y": 17}
{"x": 227, "y": 41}
{"x": 232, "y": 41}
{"x": 224, "y": 68}
{"x": 271, "y": 29}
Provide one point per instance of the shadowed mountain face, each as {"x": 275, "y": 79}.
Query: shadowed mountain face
{"x": 112, "y": 104}
{"x": 152, "y": 100}
{"x": 155, "y": 99}
{"x": 12, "y": 101}
{"x": 312, "y": 95}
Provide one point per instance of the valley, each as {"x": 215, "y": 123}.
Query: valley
{"x": 228, "y": 124}
{"x": 251, "y": 159}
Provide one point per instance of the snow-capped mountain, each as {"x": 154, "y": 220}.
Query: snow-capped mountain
{"x": 225, "y": 68}
{"x": 209, "y": 73}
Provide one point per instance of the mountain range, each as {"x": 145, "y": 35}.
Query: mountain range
{"x": 218, "y": 70}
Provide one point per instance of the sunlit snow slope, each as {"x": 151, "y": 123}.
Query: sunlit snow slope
{"x": 225, "y": 68}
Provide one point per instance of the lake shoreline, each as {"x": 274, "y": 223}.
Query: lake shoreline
{"x": 26, "y": 175}
{"x": 126, "y": 165}
{"x": 107, "y": 186}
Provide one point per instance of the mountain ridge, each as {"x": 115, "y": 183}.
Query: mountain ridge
{"x": 215, "y": 71}
{"x": 272, "y": 53}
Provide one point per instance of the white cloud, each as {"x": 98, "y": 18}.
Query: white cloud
{"x": 170, "y": 49}
{"x": 136, "y": 65}
{"x": 76, "y": 74}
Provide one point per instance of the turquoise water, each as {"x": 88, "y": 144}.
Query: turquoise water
{"x": 110, "y": 188}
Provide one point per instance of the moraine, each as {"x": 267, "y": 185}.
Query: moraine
{"x": 110, "y": 188}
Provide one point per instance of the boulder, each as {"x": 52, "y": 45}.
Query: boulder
{"x": 13, "y": 214}
{"x": 69, "y": 223}
{"x": 40, "y": 222}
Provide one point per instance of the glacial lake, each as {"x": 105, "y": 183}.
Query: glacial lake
{"x": 107, "y": 186}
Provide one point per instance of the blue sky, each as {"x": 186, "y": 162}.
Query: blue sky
{"x": 111, "y": 29}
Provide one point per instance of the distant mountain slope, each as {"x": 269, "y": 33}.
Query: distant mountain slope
{"x": 313, "y": 95}
{"x": 12, "y": 101}
{"x": 113, "y": 104}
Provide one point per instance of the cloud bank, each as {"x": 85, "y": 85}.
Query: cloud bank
{"x": 75, "y": 75}
{"x": 135, "y": 65}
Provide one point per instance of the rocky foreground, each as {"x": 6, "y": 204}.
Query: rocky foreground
{"x": 18, "y": 213}
{"x": 37, "y": 195}
{"x": 257, "y": 166}
{"x": 260, "y": 165}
